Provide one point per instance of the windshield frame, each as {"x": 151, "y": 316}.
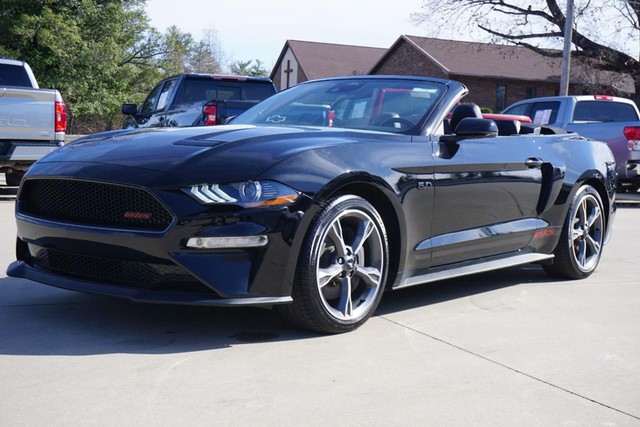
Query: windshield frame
{"x": 352, "y": 103}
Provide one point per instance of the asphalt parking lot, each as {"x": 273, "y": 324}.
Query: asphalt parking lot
{"x": 508, "y": 348}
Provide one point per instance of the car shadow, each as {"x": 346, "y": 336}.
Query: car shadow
{"x": 57, "y": 322}
{"x": 460, "y": 287}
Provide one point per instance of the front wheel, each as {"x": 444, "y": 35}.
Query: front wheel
{"x": 342, "y": 268}
{"x": 580, "y": 246}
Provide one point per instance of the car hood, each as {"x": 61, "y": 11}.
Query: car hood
{"x": 188, "y": 155}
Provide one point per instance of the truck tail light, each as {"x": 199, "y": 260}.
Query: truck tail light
{"x": 603, "y": 97}
{"x": 60, "y": 117}
{"x": 210, "y": 115}
{"x": 632, "y": 133}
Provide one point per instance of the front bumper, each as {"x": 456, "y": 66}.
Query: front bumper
{"x": 157, "y": 265}
{"x": 24, "y": 270}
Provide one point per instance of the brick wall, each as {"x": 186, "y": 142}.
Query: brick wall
{"x": 482, "y": 91}
{"x": 405, "y": 60}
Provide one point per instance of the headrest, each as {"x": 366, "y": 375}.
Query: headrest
{"x": 508, "y": 127}
{"x": 462, "y": 111}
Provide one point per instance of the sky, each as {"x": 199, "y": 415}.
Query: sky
{"x": 258, "y": 30}
{"x": 253, "y": 29}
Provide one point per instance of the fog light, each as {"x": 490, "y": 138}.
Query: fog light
{"x": 227, "y": 242}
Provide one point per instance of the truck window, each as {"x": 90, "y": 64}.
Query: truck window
{"x": 256, "y": 91}
{"x": 519, "y": 110}
{"x": 13, "y": 75}
{"x": 164, "y": 94}
{"x": 544, "y": 113}
{"x": 198, "y": 90}
{"x": 604, "y": 111}
{"x": 226, "y": 93}
{"x": 149, "y": 104}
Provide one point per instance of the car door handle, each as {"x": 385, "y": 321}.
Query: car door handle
{"x": 533, "y": 162}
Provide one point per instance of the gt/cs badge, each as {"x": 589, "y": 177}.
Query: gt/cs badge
{"x": 137, "y": 215}
{"x": 548, "y": 232}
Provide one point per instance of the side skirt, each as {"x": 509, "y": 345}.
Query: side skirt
{"x": 449, "y": 273}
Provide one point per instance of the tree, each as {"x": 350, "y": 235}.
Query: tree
{"x": 606, "y": 33}
{"x": 97, "y": 53}
{"x": 247, "y": 68}
{"x": 177, "y": 49}
{"x": 206, "y": 55}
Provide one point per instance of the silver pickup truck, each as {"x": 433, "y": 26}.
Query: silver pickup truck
{"x": 33, "y": 121}
{"x": 606, "y": 118}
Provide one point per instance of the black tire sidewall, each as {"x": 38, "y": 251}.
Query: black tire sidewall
{"x": 306, "y": 275}
{"x": 564, "y": 252}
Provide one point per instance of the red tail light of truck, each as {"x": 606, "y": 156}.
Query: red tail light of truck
{"x": 210, "y": 115}
{"x": 60, "y": 117}
{"x": 632, "y": 133}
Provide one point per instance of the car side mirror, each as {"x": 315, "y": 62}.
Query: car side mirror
{"x": 470, "y": 127}
{"x": 129, "y": 109}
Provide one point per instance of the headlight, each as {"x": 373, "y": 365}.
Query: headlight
{"x": 247, "y": 194}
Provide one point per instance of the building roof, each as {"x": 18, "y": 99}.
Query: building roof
{"x": 319, "y": 60}
{"x": 504, "y": 62}
{"x": 488, "y": 60}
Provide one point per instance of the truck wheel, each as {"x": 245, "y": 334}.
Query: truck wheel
{"x": 13, "y": 179}
{"x": 580, "y": 246}
{"x": 342, "y": 268}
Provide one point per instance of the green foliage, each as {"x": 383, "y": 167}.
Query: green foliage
{"x": 247, "y": 68}
{"x": 97, "y": 53}
{"x": 85, "y": 49}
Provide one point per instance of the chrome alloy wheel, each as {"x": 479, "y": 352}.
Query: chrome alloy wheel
{"x": 349, "y": 265}
{"x": 587, "y": 233}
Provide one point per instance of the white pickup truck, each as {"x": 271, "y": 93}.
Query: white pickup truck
{"x": 606, "y": 118}
{"x": 33, "y": 121}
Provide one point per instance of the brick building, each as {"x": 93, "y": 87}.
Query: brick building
{"x": 496, "y": 75}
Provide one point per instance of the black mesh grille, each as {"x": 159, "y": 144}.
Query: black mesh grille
{"x": 93, "y": 203}
{"x": 114, "y": 271}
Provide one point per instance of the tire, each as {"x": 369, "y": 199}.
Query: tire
{"x": 13, "y": 179}
{"x": 580, "y": 246}
{"x": 342, "y": 268}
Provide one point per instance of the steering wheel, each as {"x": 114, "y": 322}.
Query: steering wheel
{"x": 393, "y": 120}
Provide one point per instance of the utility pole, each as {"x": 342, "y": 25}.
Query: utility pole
{"x": 566, "y": 53}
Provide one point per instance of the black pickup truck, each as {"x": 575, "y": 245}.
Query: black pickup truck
{"x": 197, "y": 100}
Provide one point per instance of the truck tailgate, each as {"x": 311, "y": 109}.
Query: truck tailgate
{"x": 613, "y": 134}
{"x": 27, "y": 115}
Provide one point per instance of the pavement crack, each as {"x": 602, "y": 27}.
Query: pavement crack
{"x": 517, "y": 371}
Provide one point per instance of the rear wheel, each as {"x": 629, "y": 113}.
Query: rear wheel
{"x": 342, "y": 268}
{"x": 580, "y": 246}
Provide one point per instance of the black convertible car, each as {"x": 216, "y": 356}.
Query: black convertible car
{"x": 315, "y": 201}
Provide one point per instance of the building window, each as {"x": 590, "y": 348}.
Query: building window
{"x": 531, "y": 92}
{"x": 501, "y": 97}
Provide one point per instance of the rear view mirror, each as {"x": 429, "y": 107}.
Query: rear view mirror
{"x": 129, "y": 109}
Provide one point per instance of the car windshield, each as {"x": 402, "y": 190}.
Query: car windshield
{"x": 389, "y": 105}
